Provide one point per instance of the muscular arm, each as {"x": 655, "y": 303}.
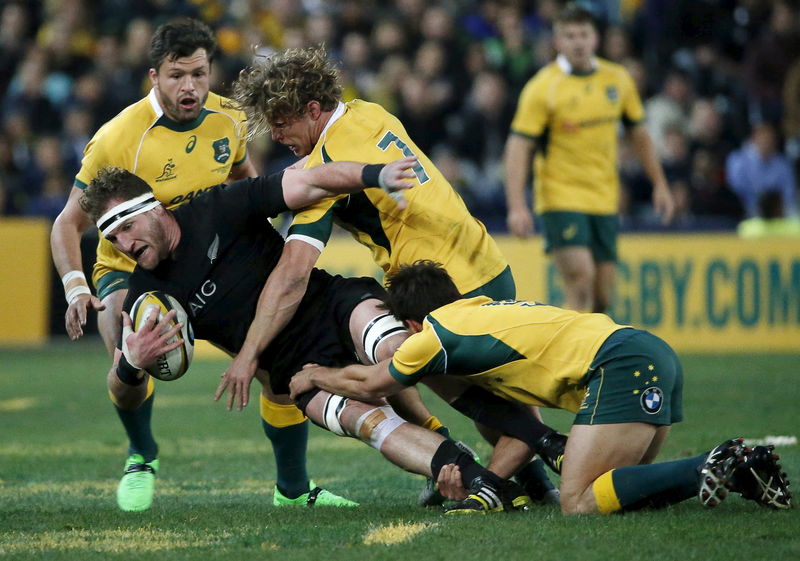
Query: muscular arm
{"x": 357, "y": 381}
{"x": 65, "y": 244}
{"x": 517, "y": 163}
{"x": 277, "y": 304}
{"x": 302, "y": 187}
{"x": 642, "y": 145}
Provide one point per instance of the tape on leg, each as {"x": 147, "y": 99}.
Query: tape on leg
{"x": 380, "y": 328}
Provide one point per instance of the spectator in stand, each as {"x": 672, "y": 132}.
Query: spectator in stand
{"x": 710, "y": 197}
{"x": 791, "y": 113}
{"x": 513, "y": 52}
{"x": 759, "y": 166}
{"x": 14, "y": 40}
{"x": 767, "y": 61}
{"x": 669, "y": 108}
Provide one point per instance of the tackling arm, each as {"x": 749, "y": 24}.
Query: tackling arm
{"x": 65, "y": 244}
{"x": 357, "y": 381}
{"x": 303, "y": 187}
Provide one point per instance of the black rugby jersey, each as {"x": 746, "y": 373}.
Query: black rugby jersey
{"x": 226, "y": 252}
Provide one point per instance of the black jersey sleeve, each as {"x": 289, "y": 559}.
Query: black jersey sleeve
{"x": 264, "y": 193}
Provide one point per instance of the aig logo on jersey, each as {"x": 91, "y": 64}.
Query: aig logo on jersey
{"x": 222, "y": 150}
{"x": 652, "y": 399}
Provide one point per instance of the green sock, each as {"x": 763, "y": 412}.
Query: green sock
{"x": 139, "y": 430}
{"x": 656, "y": 485}
{"x": 444, "y": 431}
{"x": 289, "y": 446}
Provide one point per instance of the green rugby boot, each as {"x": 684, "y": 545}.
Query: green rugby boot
{"x": 315, "y": 496}
{"x": 135, "y": 490}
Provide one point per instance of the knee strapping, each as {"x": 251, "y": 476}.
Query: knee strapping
{"x": 374, "y": 426}
{"x": 332, "y": 414}
{"x": 280, "y": 415}
{"x": 380, "y": 328}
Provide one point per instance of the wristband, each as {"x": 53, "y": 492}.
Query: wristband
{"x": 128, "y": 373}
{"x": 371, "y": 175}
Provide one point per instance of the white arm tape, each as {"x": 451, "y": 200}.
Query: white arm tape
{"x": 72, "y": 275}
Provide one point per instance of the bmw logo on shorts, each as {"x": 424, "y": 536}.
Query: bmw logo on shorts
{"x": 652, "y": 399}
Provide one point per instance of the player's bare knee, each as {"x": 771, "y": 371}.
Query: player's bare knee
{"x": 124, "y": 395}
{"x": 577, "y": 503}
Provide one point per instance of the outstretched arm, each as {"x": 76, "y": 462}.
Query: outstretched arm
{"x": 357, "y": 381}
{"x": 303, "y": 187}
{"x": 65, "y": 244}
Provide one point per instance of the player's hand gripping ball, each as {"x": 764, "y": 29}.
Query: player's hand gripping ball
{"x": 173, "y": 364}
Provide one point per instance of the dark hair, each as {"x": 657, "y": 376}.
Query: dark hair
{"x": 111, "y": 184}
{"x": 575, "y": 13}
{"x": 418, "y": 289}
{"x": 181, "y": 38}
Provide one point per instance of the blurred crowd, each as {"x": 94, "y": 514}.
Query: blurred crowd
{"x": 720, "y": 80}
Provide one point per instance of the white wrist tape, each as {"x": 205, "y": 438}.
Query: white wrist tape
{"x": 72, "y": 275}
{"x": 76, "y": 291}
{"x": 74, "y": 285}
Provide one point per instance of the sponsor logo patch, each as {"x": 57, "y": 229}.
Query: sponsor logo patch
{"x": 652, "y": 399}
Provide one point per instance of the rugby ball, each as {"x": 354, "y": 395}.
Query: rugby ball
{"x": 173, "y": 364}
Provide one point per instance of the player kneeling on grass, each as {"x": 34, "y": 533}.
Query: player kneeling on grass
{"x": 215, "y": 254}
{"x": 624, "y": 385}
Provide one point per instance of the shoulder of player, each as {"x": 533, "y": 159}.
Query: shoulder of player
{"x": 220, "y": 104}
{"x": 607, "y": 67}
{"x": 366, "y": 117}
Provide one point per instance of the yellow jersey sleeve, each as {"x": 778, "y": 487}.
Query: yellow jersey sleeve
{"x": 632, "y": 109}
{"x": 531, "y": 117}
{"x": 419, "y": 355}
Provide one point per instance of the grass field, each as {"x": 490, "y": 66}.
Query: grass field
{"x": 62, "y": 449}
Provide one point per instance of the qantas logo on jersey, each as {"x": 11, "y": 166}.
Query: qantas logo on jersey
{"x": 200, "y": 298}
{"x": 188, "y": 196}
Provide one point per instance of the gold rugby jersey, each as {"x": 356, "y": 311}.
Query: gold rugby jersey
{"x": 436, "y": 223}
{"x": 178, "y": 160}
{"x": 575, "y": 119}
{"x": 521, "y": 351}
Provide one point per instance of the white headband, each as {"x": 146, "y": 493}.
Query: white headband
{"x": 121, "y": 212}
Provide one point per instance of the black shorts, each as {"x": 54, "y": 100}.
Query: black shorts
{"x": 319, "y": 332}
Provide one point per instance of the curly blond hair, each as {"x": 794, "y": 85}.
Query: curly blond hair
{"x": 281, "y": 86}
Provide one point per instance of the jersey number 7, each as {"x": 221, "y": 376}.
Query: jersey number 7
{"x": 390, "y": 138}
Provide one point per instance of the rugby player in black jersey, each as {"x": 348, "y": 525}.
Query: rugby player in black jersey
{"x": 214, "y": 255}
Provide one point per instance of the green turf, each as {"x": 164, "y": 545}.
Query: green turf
{"x": 61, "y": 452}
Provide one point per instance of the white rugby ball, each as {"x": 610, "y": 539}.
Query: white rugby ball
{"x": 173, "y": 364}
